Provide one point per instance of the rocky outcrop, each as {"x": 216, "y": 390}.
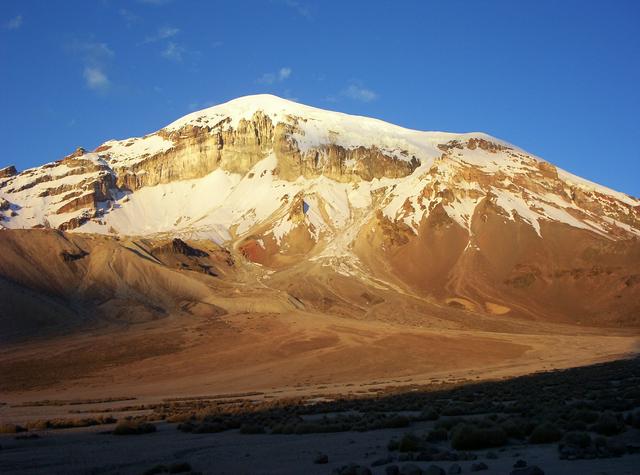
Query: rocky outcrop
{"x": 199, "y": 150}
{"x": 75, "y": 185}
{"x": 8, "y": 171}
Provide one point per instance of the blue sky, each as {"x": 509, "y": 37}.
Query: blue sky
{"x": 558, "y": 78}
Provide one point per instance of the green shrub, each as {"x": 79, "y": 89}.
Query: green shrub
{"x": 470, "y": 437}
{"x": 545, "y": 433}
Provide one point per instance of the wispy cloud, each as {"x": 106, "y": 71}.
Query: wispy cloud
{"x": 95, "y": 56}
{"x": 155, "y": 2}
{"x": 14, "y": 24}
{"x": 93, "y": 51}
{"x": 301, "y": 8}
{"x": 163, "y": 33}
{"x": 96, "y": 79}
{"x": 281, "y": 75}
{"x": 173, "y": 52}
{"x": 129, "y": 18}
{"x": 357, "y": 92}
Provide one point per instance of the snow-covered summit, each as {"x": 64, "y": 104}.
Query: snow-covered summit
{"x": 319, "y": 126}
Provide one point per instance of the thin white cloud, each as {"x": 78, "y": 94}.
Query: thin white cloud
{"x": 173, "y": 52}
{"x": 93, "y": 52}
{"x": 14, "y": 24}
{"x": 96, "y": 79}
{"x": 95, "y": 56}
{"x": 163, "y": 33}
{"x": 128, "y": 17}
{"x": 301, "y": 8}
{"x": 155, "y": 2}
{"x": 282, "y": 74}
{"x": 359, "y": 93}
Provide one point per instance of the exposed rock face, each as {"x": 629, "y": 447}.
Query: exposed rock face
{"x": 69, "y": 191}
{"x": 8, "y": 171}
{"x": 200, "y": 149}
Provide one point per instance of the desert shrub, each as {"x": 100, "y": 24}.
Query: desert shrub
{"x": 470, "y": 437}
{"x": 69, "y": 423}
{"x": 437, "y": 435}
{"x": 599, "y": 441}
{"x": 208, "y": 428}
{"x": 11, "y": 429}
{"x": 395, "y": 422}
{"x": 585, "y": 416}
{"x": 319, "y": 428}
{"x": 393, "y": 445}
{"x": 449, "y": 423}
{"x": 608, "y": 424}
{"x": 186, "y": 426}
{"x": 37, "y": 425}
{"x": 179, "y": 418}
{"x": 575, "y": 426}
{"x": 179, "y": 467}
{"x": 134, "y": 428}
{"x": 577, "y": 439}
{"x": 517, "y": 428}
{"x": 633, "y": 419}
{"x": 410, "y": 443}
{"x": 457, "y": 409}
{"x": 429, "y": 414}
{"x": 156, "y": 469}
{"x": 545, "y": 433}
{"x": 251, "y": 429}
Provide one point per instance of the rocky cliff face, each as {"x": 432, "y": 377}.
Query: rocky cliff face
{"x": 198, "y": 150}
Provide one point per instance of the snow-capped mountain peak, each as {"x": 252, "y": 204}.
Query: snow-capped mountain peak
{"x": 244, "y": 166}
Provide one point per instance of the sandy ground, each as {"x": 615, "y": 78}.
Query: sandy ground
{"x": 278, "y": 355}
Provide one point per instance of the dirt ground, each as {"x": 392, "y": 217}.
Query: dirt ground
{"x": 80, "y": 451}
{"x": 279, "y": 355}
